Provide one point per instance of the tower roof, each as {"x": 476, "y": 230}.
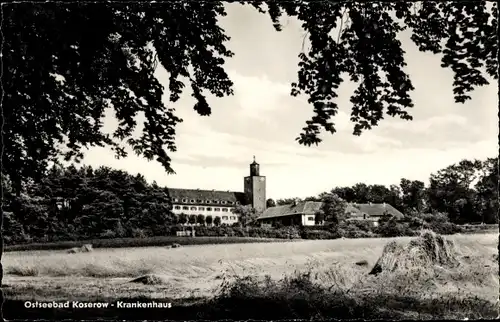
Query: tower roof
{"x": 254, "y": 162}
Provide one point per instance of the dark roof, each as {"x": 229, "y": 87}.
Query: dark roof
{"x": 196, "y": 194}
{"x": 311, "y": 207}
{"x": 304, "y": 207}
{"x": 373, "y": 210}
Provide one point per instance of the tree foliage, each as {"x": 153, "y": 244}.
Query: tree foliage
{"x": 67, "y": 63}
{"x": 247, "y": 214}
{"x": 76, "y": 204}
{"x": 333, "y": 208}
{"x": 360, "y": 40}
{"x": 467, "y": 192}
{"x": 270, "y": 203}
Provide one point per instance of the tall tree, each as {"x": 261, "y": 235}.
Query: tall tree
{"x": 346, "y": 193}
{"x": 378, "y": 193}
{"x": 270, "y": 203}
{"x": 286, "y": 201}
{"x": 487, "y": 190}
{"x": 413, "y": 195}
{"x": 333, "y": 208}
{"x": 247, "y": 214}
{"x": 452, "y": 191}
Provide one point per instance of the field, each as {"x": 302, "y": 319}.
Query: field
{"x": 190, "y": 273}
{"x": 139, "y": 242}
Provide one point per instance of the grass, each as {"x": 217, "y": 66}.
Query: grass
{"x": 139, "y": 242}
{"x": 315, "y": 278}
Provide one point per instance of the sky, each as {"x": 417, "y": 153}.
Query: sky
{"x": 262, "y": 119}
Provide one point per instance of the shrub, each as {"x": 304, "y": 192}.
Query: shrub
{"x": 393, "y": 228}
{"x": 317, "y": 234}
{"x": 108, "y": 234}
{"x": 139, "y": 233}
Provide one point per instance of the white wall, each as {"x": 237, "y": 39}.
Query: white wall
{"x": 306, "y": 220}
{"x": 195, "y": 210}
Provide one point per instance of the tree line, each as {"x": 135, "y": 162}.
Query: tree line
{"x": 467, "y": 191}
{"x": 73, "y": 204}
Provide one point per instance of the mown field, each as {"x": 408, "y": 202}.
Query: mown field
{"x": 268, "y": 273}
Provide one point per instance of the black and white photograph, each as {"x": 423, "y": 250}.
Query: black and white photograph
{"x": 238, "y": 160}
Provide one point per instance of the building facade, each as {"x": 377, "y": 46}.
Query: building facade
{"x": 216, "y": 203}
{"x": 296, "y": 214}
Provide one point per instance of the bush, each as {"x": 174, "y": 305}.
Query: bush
{"x": 108, "y": 234}
{"x": 139, "y": 233}
{"x": 239, "y": 232}
{"x": 317, "y": 234}
{"x": 393, "y": 228}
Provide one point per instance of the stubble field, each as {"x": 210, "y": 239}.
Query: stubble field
{"x": 199, "y": 271}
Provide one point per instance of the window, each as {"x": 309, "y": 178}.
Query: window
{"x": 185, "y": 208}
{"x": 209, "y": 209}
{"x": 215, "y": 201}
{"x": 364, "y": 216}
{"x": 230, "y": 202}
{"x": 178, "y": 207}
{"x": 237, "y": 202}
{"x": 224, "y": 209}
{"x": 176, "y": 199}
{"x": 310, "y": 218}
{"x": 208, "y": 201}
{"x": 232, "y": 210}
{"x": 216, "y": 209}
{"x": 199, "y": 200}
{"x": 192, "y": 201}
{"x": 193, "y": 208}
{"x": 233, "y": 217}
{"x": 201, "y": 208}
{"x": 184, "y": 200}
{"x": 223, "y": 202}
{"x": 224, "y": 217}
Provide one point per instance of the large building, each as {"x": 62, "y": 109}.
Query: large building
{"x": 303, "y": 213}
{"x": 221, "y": 204}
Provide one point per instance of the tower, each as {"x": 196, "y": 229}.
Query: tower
{"x": 255, "y": 187}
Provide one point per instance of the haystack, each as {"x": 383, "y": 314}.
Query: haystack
{"x": 74, "y": 250}
{"x": 427, "y": 250}
{"x": 149, "y": 280}
{"x": 84, "y": 249}
{"x": 87, "y": 248}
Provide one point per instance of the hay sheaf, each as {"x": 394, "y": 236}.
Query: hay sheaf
{"x": 87, "y": 248}
{"x": 427, "y": 250}
{"x": 149, "y": 280}
{"x": 362, "y": 263}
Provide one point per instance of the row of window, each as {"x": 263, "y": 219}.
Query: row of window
{"x": 202, "y": 208}
{"x": 223, "y": 202}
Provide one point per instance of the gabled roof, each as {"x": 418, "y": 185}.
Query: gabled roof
{"x": 352, "y": 209}
{"x": 375, "y": 210}
{"x": 204, "y": 195}
{"x": 304, "y": 207}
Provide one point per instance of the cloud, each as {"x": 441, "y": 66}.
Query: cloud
{"x": 262, "y": 119}
{"x": 434, "y": 123}
{"x": 257, "y": 96}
